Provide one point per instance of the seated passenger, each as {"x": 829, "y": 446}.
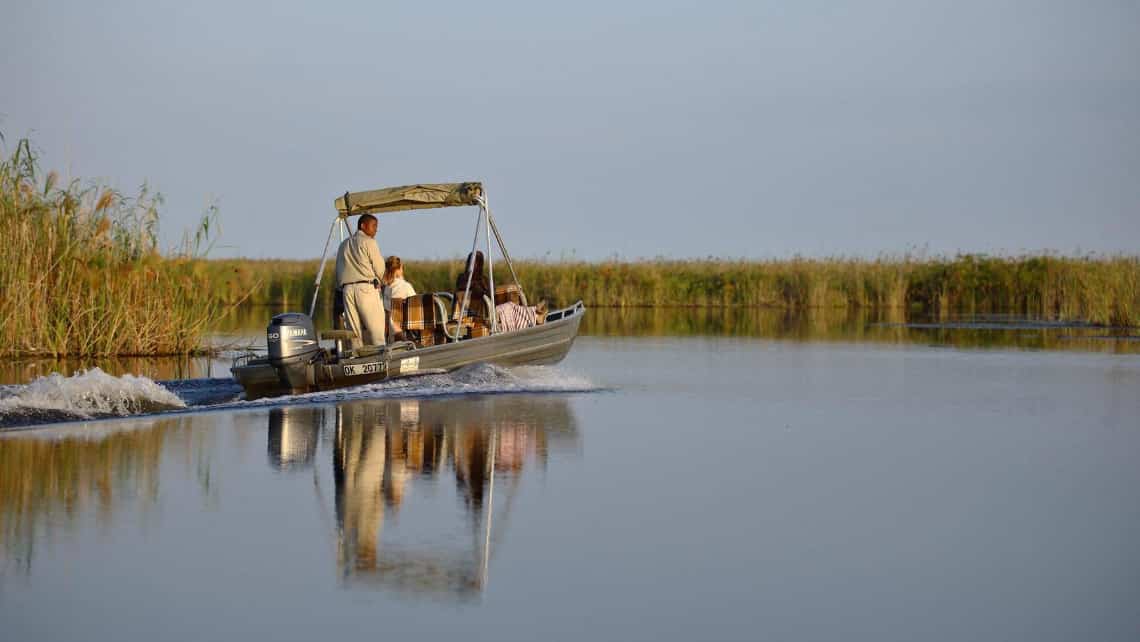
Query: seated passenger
{"x": 479, "y": 287}
{"x": 510, "y": 315}
{"x": 394, "y": 287}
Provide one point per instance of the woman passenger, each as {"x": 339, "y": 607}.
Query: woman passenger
{"x": 510, "y": 315}
{"x": 479, "y": 287}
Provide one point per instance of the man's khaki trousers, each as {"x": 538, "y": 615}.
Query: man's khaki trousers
{"x": 364, "y": 314}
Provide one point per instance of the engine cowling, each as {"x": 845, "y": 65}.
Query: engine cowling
{"x": 291, "y": 338}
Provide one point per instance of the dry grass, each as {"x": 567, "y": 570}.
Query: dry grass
{"x": 80, "y": 273}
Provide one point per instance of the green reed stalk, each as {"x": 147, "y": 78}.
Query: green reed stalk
{"x": 80, "y": 273}
{"x": 1095, "y": 289}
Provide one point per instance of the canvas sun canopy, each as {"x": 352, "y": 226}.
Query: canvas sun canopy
{"x": 409, "y": 197}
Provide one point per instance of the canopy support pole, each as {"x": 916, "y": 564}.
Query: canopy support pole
{"x": 321, "y": 269}
{"x": 490, "y": 262}
{"x": 470, "y": 273}
{"x": 490, "y": 512}
{"x": 503, "y": 248}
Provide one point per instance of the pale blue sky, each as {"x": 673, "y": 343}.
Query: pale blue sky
{"x": 751, "y": 129}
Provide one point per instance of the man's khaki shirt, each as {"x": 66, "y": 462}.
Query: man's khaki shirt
{"x": 358, "y": 259}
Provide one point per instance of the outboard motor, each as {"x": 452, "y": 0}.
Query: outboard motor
{"x": 293, "y": 435}
{"x": 293, "y": 346}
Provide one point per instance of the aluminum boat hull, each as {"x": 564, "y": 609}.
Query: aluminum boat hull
{"x": 539, "y": 345}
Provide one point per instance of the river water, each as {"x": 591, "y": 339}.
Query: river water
{"x": 692, "y": 475}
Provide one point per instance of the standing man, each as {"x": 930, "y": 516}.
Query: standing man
{"x": 359, "y": 270}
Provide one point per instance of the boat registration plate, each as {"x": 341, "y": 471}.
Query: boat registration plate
{"x": 363, "y": 369}
{"x": 411, "y": 364}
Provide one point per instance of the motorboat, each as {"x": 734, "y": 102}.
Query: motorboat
{"x": 429, "y": 334}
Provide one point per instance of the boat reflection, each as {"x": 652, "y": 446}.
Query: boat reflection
{"x": 382, "y": 450}
{"x": 447, "y": 468}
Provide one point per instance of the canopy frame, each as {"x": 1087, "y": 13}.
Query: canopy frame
{"x": 425, "y": 196}
{"x": 487, "y": 220}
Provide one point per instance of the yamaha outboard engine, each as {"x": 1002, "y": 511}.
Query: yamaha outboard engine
{"x": 293, "y": 435}
{"x": 293, "y": 346}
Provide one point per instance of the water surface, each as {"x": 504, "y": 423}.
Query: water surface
{"x": 245, "y": 330}
{"x": 663, "y": 486}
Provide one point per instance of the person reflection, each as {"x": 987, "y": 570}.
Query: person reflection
{"x": 383, "y": 447}
{"x": 470, "y": 459}
{"x": 396, "y": 469}
{"x": 358, "y": 473}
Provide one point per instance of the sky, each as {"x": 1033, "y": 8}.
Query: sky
{"x": 602, "y": 129}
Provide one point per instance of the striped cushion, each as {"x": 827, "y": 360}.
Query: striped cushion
{"x": 514, "y": 317}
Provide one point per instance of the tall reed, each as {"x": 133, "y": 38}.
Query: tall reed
{"x": 80, "y": 272}
{"x": 1095, "y": 289}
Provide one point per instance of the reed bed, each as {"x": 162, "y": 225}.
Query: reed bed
{"x": 81, "y": 276}
{"x": 80, "y": 272}
{"x": 1103, "y": 290}
{"x": 49, "y": 484}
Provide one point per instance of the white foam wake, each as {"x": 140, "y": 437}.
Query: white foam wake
{"x": 95, "y": 394}
{"x": 476, "y": 379}
{"x": 84, "y": 395}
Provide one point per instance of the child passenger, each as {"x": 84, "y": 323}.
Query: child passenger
{"x": 395, "y": 287}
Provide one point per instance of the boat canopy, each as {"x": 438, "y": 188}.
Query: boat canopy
{"x": 409, "y": 197}
{"x": 418, "y": 197}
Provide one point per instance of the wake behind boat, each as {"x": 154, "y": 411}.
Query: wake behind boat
{"x": 439, "y": 332}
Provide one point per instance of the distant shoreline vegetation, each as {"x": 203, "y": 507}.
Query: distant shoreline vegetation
{"x": 1096, "y": 289}
{"x": 81, "y": 275}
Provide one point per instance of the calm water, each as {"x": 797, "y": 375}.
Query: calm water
{"x": 882, "y": 482}
{"x": 247, "y": 329}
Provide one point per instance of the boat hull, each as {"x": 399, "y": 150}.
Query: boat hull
{"x": 539, "y": 345}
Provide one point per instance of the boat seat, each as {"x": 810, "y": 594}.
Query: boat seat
{"x": 368, "y": 351}
{"x": 420, "y": 317}
{"x": 476, "y": 319}
{"x": 342, "y": 338}
{"x": 401, "y": 346}
{"x": 455, "y": 331}
{"x": 477, "y": 316}
{"x": 338, "y": 335}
